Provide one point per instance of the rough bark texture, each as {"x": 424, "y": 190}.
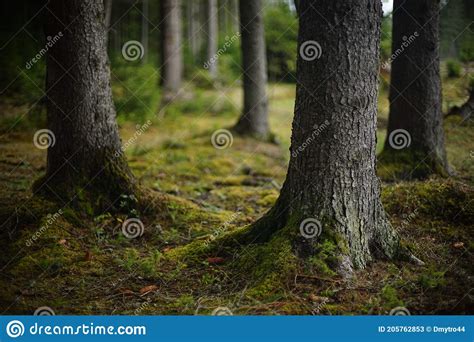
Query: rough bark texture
{"x": 254, "y": 118}
{"x": 415, "y": 90}
{"x": 331, "y": 175}
{"x": 172, "y": 63}
{"x": 87, "y": 153}
{"x": 212, "y": 33}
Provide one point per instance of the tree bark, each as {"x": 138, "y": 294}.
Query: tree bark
{"x": 193, "y": 28}
{"x": 87, "y": 153}
{"x": 331, "y": 176}
{"x": 212, "y": 36}
{"x": 254, "y": 118}
{"x": 415, "y": 93}
{"x": 108, "y": 13}
{"x": 172, "y": 63}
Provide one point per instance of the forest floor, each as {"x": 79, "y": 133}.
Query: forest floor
{"x": 81, "y": 263}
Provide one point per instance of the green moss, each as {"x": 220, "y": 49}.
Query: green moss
{"x": 435, "y": 198}
{"x": 389, "y": 296}
{"x": 407, "y": 164}
{"x": 432, "y": 278}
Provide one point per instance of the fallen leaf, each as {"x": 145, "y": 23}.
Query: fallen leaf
{"x": 215, "y": 260}
{"x": 148, "y": 289}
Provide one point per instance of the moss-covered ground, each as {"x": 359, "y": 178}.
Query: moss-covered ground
{"x": 81, "y": 263}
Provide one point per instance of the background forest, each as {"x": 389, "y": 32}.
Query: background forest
{"x": 206, "y": 175}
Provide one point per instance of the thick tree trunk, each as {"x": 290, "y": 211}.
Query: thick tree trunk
{"x": 331, "y": 180}
{"x": 415, "y": 137}
{"x": 87, "y": 152}
{"x": 213, "y": 27}
{"x": 172, "y": 64}
{"x": 254, "y": 118}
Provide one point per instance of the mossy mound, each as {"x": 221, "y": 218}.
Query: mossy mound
{"x": 442, "y": 199}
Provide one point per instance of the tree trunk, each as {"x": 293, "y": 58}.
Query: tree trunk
{"x": 212, "y": 37}
{"x": 254, "y": 118}
{"x": 108, "y": 13}
{"x": 415, "y": 137}
{"x": 193, "y": 28}
{"x": 87, "y": 151}
{"x": 331, "y": 186}
{"x": 172, "y": 64}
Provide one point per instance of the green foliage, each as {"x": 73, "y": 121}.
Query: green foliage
{"x": 386, "y": 39}
{"x": 454, "y": 68}
{"x": 230, "y": 60}
{"x": 200, "y": 103}
{"x": 432, "y": 278}
{"x": 390, "y": 297}
{"x": 281, "y": 30}
{"x": 144, "y": 265}
{"x": 135, "y": 88}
